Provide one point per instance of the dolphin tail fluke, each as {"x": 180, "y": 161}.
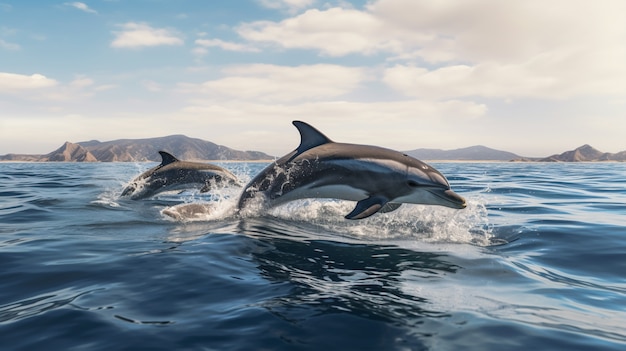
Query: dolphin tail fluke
{"x": 367, "y": 207}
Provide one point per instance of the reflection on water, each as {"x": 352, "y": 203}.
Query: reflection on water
{"x": 353, "y": 282}
{"x": 37, "y": 305}
{"x": 362, "y": 279}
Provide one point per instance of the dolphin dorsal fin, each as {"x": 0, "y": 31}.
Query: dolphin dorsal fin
{"x": 167, "y": 158}
{"x": 309, "y": 138}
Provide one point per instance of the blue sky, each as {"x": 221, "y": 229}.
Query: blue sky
{"x": 527, "y": 76}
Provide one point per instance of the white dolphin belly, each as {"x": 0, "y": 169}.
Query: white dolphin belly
{"x": 333, "y": 191}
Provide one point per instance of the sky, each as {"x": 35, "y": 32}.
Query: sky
{"x": 532, "y": 77}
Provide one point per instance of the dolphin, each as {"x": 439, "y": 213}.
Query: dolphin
{"x": 173, "y": 174}
{"x": 378, "y": 179}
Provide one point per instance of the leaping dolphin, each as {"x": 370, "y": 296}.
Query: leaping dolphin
{"x": 379, "y": 179}
{"x": 173, "y": 174}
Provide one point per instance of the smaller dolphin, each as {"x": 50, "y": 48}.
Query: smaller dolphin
{"x": 173, "y": 174}
{"x": 379, "y": 179}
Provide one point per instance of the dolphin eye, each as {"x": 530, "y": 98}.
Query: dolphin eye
{"x": 412, "y": 184}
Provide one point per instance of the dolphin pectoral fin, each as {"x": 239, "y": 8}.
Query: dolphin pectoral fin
{"x": 390, "y": 207}
{"x": 309, "y": 138}
{"x": 366, "y": 208}
{"x": 167, "y": 158}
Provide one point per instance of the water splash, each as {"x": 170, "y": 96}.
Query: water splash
{"x": 109, "y": 198}
{"x": 203, "y": 211}
{"x": 425, "y": 223}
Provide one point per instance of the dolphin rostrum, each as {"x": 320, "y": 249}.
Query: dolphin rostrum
{"x": 379, "y": 179}
{"x": 173, "y": 174}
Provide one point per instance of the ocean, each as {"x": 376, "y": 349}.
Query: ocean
{"x": 537, "y": 261}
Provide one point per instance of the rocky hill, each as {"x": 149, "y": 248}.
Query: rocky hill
{"x": 585, "y": 153}
{"x": 183, "y": 147}
{"x": 472, "y": 153}
{"x": 135, "y": 150}
{"x": 71, "y": 152}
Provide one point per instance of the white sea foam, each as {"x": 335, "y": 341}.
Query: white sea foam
{"x": 199, "y": 211}
{"x": 426, "y": 223}
{"x": 421, "y": 222}
{"x": 109, "y": 198}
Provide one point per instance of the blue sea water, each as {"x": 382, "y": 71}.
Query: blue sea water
{"x": 536, "y": 261}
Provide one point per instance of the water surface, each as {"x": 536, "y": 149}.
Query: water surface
{"x": 536, "y": 261}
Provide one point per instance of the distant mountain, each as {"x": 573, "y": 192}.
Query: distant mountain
{"x": 181, "y": 146}
{"x": 22, "y": 158}
{"x": 68, "y": 152}
{"x": 185, "y": 148}
{"x": 133, "y": 150}
{"x": 585, "y": 153}
{"x": 472, "y": 153}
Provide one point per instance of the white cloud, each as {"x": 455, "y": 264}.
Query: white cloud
{"x": 282, "y": 83}
{"x": 151, "y": 85}
{"x": 290, "y": 5}
{"x": 400, "y": 125}
{"x": 490, "y": 48}
{"x": 137, "y": 35}
{"x": 105, "y": 87}
{"x": 265, "y": 98}
{"x": 466, "y": 81}
{"x": 199, "y": 51}
{"x": 379, "y": 113}
{"x": 334, "y": 32}
{"x": 81, "y": 82}
{"x": 81, "y": 6}
{"x": 9, "y": 46}
{"x": 46, "y": 91}
{"x": 225, "y": 45}
{"x": 479, "y": 30}
{"x": 547, "y": 76}
{"x": 12, "y": 82}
